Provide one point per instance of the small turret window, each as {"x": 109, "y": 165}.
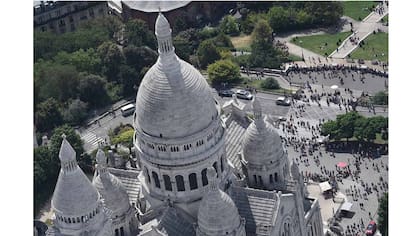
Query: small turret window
{"x": 276, "y": 177}
{"x": 204, "y": 177}
{"x": 180, "y": 183}
{"x": 271, "y": 179}
{"x": 156, "y": 179}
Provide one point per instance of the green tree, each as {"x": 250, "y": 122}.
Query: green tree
{"x": 84, "y": 60}
{"x": 346, "y": 122}
{"x": 138, "y": 34}
{"x": 262, "y": 32}
{"x": 56, "y": 81}
{"x": 48, "y": 115}
{"x": 182, "y": 47}
{"x": 270, "y": 83}
{"x": 45, "y": 175}
{"x": 207, "y": 53}
{"x": 222, "y": 41}
{"x": 93, "y": 90}
{"x": 228, "y": 25}
{"x": 112, "y": 58}
{"x": 223, "y": 71}
{"x": 383, "y": 215}
{"x": 45, "y": 45}
{"x": 129, "y": 78}
{"x": 207, "y": 33}
{"x": 332, "y": 129}
{"x": 139, "y": 57}
{"x": 361, "y": 125}
{"x": 278, "y": 17}
{"x": 325, "y": 13}
{"x": 380, "y": 98}
{"x": 76, "y": 112}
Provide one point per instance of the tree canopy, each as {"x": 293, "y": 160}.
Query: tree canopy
{"x": 229, "y": 26}
{"x": 383, "y": 215}
{"x": 207, "y": 53}
{"x": 223, "y": 71}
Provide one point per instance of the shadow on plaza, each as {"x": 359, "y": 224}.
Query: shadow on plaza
{"x": 366, "y": 149}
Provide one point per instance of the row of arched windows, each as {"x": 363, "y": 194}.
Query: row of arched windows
{"x": 70, "y": 165}
{"x": 186, "y": 147}
{"x": 74, "y": 220}
{"x": 179, "y": 179}
{"x": 119, "y": 232}
{"x": 165, "y": 46}
{"x": 287, "y": 231}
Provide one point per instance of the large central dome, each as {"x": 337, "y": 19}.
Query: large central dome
{"x": 174, "y": 100}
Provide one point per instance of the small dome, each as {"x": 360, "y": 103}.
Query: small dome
{"x": 113, "y": 192}
{"x": 74, "y": 194}
{"x": 217, "y": 212}
{"x": 262, "y": 143}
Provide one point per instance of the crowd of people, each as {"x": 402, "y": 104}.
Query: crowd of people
{"x": 339, "y": 67}
{"x": 303, "y": 137}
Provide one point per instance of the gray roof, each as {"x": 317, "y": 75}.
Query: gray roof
{"x": 258, "y": 207}
{"x": 234, "y": 137}
{"x": 172, "y": 223}
{"x": 155, "y": 6}
{"x": 130, "y": 180}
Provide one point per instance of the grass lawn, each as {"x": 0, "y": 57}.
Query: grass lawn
{"x": 323, "y": 44}
{"x": 385, "y": 20}
{"x": 257, "y": 84}
{"x": 293, "y": 57}
{"x": 242, "y": 42}
{"x": 375, "y": 48}
{"x": 358, "y": 10}
{"x": 379, "y": 140}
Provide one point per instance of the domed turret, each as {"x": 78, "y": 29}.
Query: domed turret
{"x": 174, "y": 100}
{"x": 73, "y": 185}
{"x": 263, "y": 153}
{"x": 75, "y": 202}
{"x": 218, "y": 214}
{"x": 110, "y": 187}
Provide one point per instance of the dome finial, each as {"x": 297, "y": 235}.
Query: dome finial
{"x": 67, "y": 152}
{"x": 163, "y": 33}
{"x": 212, "y": 177}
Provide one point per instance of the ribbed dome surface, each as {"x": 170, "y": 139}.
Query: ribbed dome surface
{"x": 74, "y": 194}
{"x": 262, "y": 143}
{"x": 217, "y": 211}
{"x": 114, "y": 193}
{"x": 162, "y": 26}
{"x": 174, "y": 100}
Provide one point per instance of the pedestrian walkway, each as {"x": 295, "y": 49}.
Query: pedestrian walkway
{"x": 361, "y": 31}
{"x": 91, "y": 141}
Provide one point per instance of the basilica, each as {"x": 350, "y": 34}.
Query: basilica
{"x": 203, "y": 168}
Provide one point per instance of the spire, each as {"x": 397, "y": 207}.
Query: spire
{"x": 163, "y": 33}
{"x": 102, "y": 161}
{"x": 256, "y": 107}
{"x": 67, "y": 156}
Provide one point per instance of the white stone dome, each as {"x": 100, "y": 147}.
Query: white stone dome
{"x": 262, "y": 143}
{"x": 217, "y": 214}
{"x": 162, "y": 27}
{"x": 110, "y": 187}
{"x": 74, "y": 194}
{"x": 174, "y": 100}
{"x": 113, "y": 192}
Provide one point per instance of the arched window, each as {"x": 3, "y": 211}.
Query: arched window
{"x": 180, "y": 183}
{"x": 221, "y": 163}
{"x": 255, "y": 179}
{"x": 271, "y": 179}
{"x": 78, "y": 220}
{"x": 215, "y": 167}
{"x": 204, "y": 177}
{"x": 276, "y": 177}
{"x": 193, "y": 181}
{"x": 121, "y": 231}
{"x": 116, "y": 232}
{"x": 260, "y": 179}
{"x": 156, "y": 179}
{"x": 167, "y": 181}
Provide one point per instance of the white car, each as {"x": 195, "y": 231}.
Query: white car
{"x": 283, "y": 101}
{"x": 243, "y": 94}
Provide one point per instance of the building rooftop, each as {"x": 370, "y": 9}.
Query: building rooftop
{"x": 258, "y": 207}
{"x": 234, "y": 137}
{"x": 129, "y": 179}
{"x": 155, "y": 6}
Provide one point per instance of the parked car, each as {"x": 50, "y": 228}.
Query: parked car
{"x": 283, "y": 101}
{"x": 128, "y": 110}
{"x": 243, "y": 94}
{"x": 371, "y": 228}
{"x": 226, "y": 93}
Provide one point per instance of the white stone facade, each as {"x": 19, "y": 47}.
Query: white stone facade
{"x": 187, "y": 186}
